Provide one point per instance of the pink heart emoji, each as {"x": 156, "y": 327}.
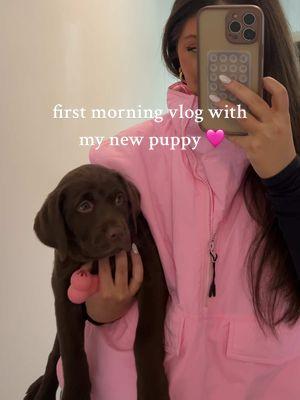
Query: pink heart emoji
{"x": 215, "y": 137}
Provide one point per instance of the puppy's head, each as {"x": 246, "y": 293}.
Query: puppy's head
{"x": 89, "y": 215}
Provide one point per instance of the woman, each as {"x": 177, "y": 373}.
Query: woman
{"x": 221, "y": 219}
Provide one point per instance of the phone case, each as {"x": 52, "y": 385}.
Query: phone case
{"x": 222, "y": 51}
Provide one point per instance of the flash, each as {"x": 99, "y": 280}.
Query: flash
{"x": 235, "y": 15}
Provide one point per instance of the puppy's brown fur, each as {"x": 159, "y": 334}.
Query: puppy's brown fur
{"x": 94, "y": 213}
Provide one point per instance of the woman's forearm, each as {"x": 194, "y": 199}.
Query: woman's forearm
{"x": 283, "y": 190}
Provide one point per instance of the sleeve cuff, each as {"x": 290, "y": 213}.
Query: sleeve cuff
{"x": 284, "y": 174}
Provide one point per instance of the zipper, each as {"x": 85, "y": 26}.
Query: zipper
{"x": 210, "y": 272}
{"x": 214, "y": 257}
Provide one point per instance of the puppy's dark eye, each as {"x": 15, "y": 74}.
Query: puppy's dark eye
{"x": 119, "y": 199}
{"x": 85, "y": 206}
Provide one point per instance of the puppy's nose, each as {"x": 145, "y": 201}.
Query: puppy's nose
{"x": 114, "y": 233}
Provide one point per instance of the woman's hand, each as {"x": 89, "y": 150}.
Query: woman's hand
{"x": 269, "y": 145}
{"x": 114, "y": 298}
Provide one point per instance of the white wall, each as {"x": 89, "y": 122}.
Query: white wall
{"x": 292, "y": 11}
{"x": 78, "y": 53}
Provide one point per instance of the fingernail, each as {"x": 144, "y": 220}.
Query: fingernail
{"x": 214, "y": 98}
{"x": 134, "y": 248}
{"x": 224, "y": 79}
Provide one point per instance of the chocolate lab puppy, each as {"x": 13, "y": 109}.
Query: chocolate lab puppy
{"x": 94, "y": 213}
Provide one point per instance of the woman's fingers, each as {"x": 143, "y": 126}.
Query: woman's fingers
{"x": 121, "y": 275}
{"x": 120, "y": 286}
{"x": 280, "y": 98}
{"x": 256, "y": 104}
{"x": 137, "y": 273}
{"x": 249, "y": 124}
{"x": 105, "y": 276}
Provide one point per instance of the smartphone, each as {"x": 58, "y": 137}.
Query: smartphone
{"x": 230, "y": 41}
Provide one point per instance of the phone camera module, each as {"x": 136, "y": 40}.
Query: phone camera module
{"x": 249, "y": 19}
{"x": 235, "y": 26}
{"x": 249, "y": 34}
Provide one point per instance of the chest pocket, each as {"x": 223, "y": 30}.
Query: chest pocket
{"x": 247, "y": 342}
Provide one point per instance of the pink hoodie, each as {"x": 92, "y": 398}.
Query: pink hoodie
{"x": 214, "y": 346}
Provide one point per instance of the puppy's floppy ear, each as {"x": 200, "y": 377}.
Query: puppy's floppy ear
{"x": 134, "y": 200}
{"x": 49, "y": 224}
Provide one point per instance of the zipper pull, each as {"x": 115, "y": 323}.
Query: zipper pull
{"x": 214, "y": 256}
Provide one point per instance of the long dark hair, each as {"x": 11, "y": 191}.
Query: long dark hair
{"x": 277, "y": 287}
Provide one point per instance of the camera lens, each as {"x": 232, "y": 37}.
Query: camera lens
{"x": 249, "y": 19}
{"x": 249, "y": 34}
{"x": 235, "y": 26}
